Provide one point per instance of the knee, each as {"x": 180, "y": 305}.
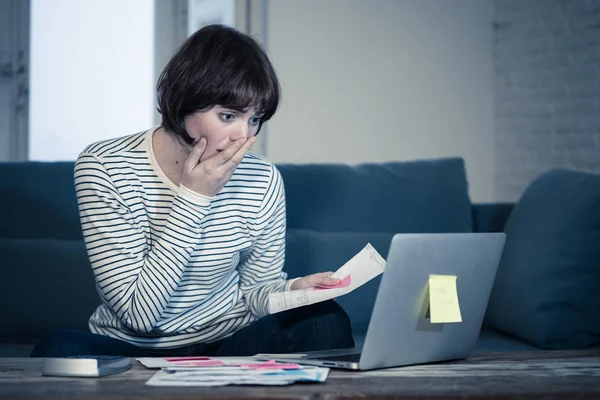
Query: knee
{"x": 332, "y": 314}
{"x": 61, "y": 343}
{"x": 339, "y": 319}
{"x": 328, "y": 327}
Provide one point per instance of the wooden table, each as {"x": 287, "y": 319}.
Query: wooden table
{"x": 515, "y": 375}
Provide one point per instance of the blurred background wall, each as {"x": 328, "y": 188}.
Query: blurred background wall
{"x": 510, "y": 86}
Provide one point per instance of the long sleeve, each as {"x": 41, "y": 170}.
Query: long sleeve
{"x": 261, "y": 269}
{"x": 135, "y": 277}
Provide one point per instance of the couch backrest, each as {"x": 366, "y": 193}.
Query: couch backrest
{"x": 416, "y": 196}
{"x": 38, "y": 201}
{"x": 38, "y": 198}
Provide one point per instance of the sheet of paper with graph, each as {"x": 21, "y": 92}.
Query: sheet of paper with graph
{"x": 360, "y": 269}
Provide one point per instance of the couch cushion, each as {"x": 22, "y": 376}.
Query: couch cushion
{"x": 548, "y": 280}
{"x": 426, "y": 196}
{"x": 309, "y": 252}
{"x": 15, "y": 350}
{"x": 491, "y": 340}
{"x": 38, "y": 201}
{"x": 45, "y": 285}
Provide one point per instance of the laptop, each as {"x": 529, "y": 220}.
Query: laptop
{"x": 400, "y": 330}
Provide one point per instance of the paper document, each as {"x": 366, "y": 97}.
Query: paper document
{"x": 237, "y": 377}
{"x": 360, "y": 269}
{"x": 203, "y": 362}
{"x": 221, "y": 371}
{"x": 443, "y": 299}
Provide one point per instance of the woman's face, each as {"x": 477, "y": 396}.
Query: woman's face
{"x": 221, "y": 126}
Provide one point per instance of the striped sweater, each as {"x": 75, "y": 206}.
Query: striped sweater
{"x": 173, "y": 267}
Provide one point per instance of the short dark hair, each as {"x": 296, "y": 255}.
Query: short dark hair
{"x": 217, "y": 65}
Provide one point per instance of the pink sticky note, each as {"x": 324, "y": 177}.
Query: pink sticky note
{"x": 343, "y": 283}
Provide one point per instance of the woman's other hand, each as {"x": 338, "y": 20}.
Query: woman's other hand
{"x": 309, "y": 281}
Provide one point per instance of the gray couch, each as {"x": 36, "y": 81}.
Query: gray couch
{"x": 333, "y": 210}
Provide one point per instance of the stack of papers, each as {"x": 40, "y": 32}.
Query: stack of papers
{"x": 205, "y": 371}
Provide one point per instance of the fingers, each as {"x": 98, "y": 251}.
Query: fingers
{"x": 329, "y": 281}
{"x": 195, "y": 155}
{"x": 315, "y": 280}
{"x": 237, "y": 157}
{"x": 324, "y": 278}
{"x": 230, "y": 150}
{"x": 235, "y": 152}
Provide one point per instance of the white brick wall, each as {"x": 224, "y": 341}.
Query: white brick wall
{"x": 547, "y": 84}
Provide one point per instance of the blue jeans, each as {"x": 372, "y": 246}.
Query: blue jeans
{"x": 319, "y": 326}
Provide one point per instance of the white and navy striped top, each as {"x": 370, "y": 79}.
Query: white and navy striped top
{"x": 173, "y": 267}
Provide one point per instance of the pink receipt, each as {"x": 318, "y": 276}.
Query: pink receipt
{"x": 343, "y": 283}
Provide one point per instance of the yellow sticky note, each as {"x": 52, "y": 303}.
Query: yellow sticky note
{"x": 443, "y": 299}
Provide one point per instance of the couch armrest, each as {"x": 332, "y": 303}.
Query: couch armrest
{"x": 490, "y": 217}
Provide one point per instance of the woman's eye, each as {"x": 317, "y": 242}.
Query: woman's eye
{"x": 255, "y": 120}
{"x": 227, "y": 117}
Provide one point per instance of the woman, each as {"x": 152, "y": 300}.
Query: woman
{"x": 185, "y": 229}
